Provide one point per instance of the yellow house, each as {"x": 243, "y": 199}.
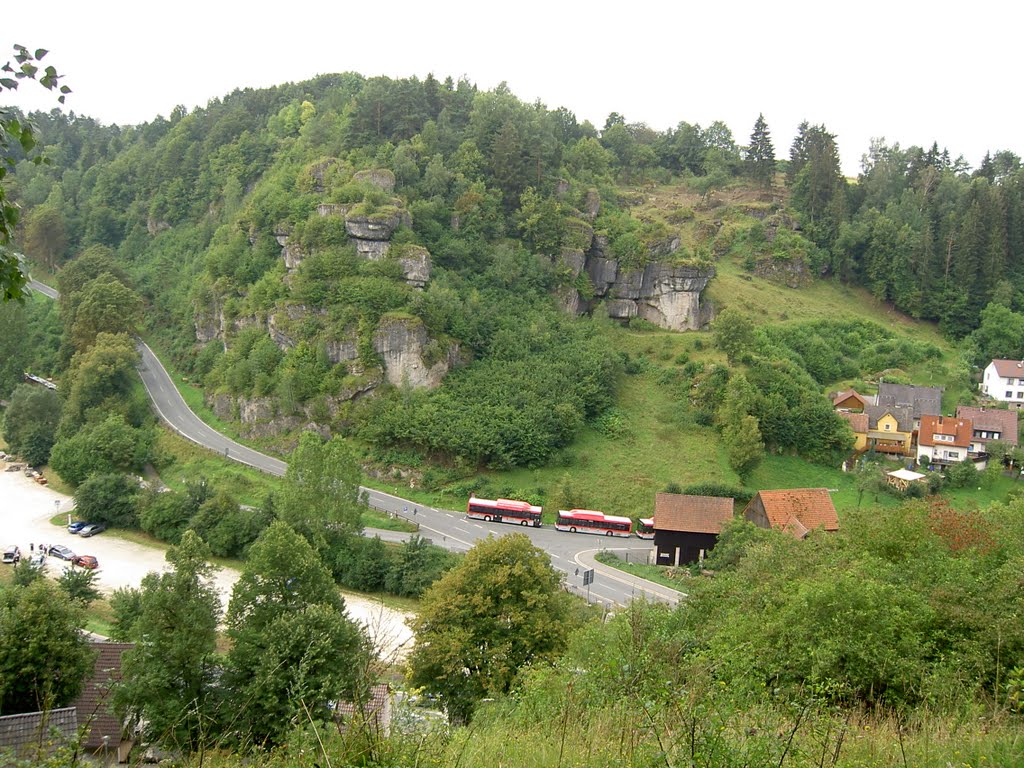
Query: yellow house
{"x": 890, "y": 429}
{"x": 859, "y": 424}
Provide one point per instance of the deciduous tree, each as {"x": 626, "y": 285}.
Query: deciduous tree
{"x": 169, "y": 675}
{"x": 495, "y": 613}
{"x": 17, "y": 137}
{"x": 44, "y": 656}
{"x": 294, "y": 650}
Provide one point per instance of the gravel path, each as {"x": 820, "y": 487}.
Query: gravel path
{"x": 25, "y": 511}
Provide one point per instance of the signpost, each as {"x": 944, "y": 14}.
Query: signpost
{"x": 588, "y": 579}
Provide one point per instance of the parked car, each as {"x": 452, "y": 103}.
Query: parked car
{"x": 36, "y": 558}
{"x": 92, "y": 529}
{"x": 77, "y": 526}
{"x": 12, "y": 555}
{"x": 85, "y": 561}
{"x": 59, "y": 550}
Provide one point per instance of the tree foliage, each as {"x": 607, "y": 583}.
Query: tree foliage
{"x": 293, "y": 648}
{"x": 44, "y": 657}
{"x": 500, "y": 610}
{"x": 169, "y": 676}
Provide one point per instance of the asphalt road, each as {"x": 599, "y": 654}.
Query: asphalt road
{"x": 573, "y": 554}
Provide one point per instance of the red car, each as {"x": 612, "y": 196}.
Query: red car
{"x": 86, "y": 561}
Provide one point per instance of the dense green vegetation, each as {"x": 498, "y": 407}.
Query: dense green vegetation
{"x": 904, "y": 624}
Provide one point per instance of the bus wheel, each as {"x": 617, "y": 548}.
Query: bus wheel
{"x": 487, "y": 518}
{"x": 523, "y": 522}
{"x": 572, "y": 530}
{"x": 607, "y": 533}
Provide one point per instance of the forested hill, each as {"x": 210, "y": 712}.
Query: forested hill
{"x": 306, "y": 242}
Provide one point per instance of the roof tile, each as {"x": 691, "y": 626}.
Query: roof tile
{"x": 691, "y": 514}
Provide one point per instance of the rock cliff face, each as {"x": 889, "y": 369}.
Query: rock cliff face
{"x": 662, "y": 293}
{"x": 403, "y": 345}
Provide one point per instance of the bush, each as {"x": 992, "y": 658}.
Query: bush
{"x": 962, "y": 475}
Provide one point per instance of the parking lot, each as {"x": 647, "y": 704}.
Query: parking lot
{"x": 25, "y": 512}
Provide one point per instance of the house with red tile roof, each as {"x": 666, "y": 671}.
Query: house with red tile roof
{"x": 104, "y": 731}
{"x": 1003, "y": 380}
{"x": 944, "y": 440}
{"x": 797, "y": 511}
{"x": 686, "y": 527}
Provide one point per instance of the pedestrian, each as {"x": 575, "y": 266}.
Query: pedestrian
{"x": 405, "y": 510}
{"x": 31, "y": 547}
{"x": 414, "y": 511}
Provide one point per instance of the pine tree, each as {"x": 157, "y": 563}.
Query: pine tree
{"x": 797, "y": 153}
{"x": 760, "y": 160}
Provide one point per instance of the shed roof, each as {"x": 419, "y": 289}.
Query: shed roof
{"x": 691, "y": 514}
{"x": 94, "y": 702}
{"x": 905, "y": 474}
{"x": 799, "y": 510}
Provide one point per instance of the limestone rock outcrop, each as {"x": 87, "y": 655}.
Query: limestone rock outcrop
{"x": 407, "y": 354}
{"x": 662, "y": 292}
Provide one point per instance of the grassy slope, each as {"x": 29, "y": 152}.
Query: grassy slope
{"x": 663, "y": 445}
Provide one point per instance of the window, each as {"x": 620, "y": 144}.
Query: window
{"x": 888, "y": 427}
{"x": 953, "y": 454}
{"x": 1009, "y": 395}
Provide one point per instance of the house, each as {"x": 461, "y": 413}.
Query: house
{"x": 1003, "y": 380}
{"x": 989, "y": 424}
{"x": 944, "y": 440}
{"x": 859, "y": 424}
{"x": 686, "y": 527}
{"x": 31, "y": 736}
{"x": 902, "y": 479}
{"x": 922, "y": 401}
{"x": 798, "y": 511}
{"x": 103, "y": 729}
{"x": 373, "y": 714}
{"x": 890, "y": 429}
{"x": 850, "y": 401}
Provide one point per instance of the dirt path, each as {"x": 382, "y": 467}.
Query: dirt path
{"x": 25, "y": 511}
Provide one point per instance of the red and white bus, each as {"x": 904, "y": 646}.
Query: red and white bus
{"x": 504, "y": 511}
{"x": 589, "y": 521}
{"x": 645, "y": 528}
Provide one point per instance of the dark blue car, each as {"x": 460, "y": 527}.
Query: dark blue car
{"x": 76, "y": 526}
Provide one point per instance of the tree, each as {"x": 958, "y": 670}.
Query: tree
{"x": 294, "y": 649}
{"x": 322, "y": 499}
{"x": 30, "y": 422}
{"x": 17, "y": 131}
{"x": 79, "y": 584}
{"x": 169, "y": 676}
{"x": 108, "y": 498}
{"x": 734, "y": 333}
{"x": 45, "y": 236}
{"x": 45, "y": 656}
{"x": 15, "y": 354}
{"x": 105, "y": 305}
{"x": 760, "y": 159}
{"x": 744, "y": 445}
{"x": 108, "y": 446}
{"x": 501, "y": 609}
{"x": 100, "y": 382}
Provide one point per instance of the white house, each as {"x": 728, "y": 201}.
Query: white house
{"x": 944, "y": 440}
{"x": 1004, "y": 381}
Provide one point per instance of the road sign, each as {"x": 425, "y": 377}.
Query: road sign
{"x": 588, "y": 577}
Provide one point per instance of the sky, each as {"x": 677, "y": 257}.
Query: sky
{"x": 907, "y": 71}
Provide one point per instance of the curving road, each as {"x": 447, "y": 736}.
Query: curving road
{"x": 573, "y": 554}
